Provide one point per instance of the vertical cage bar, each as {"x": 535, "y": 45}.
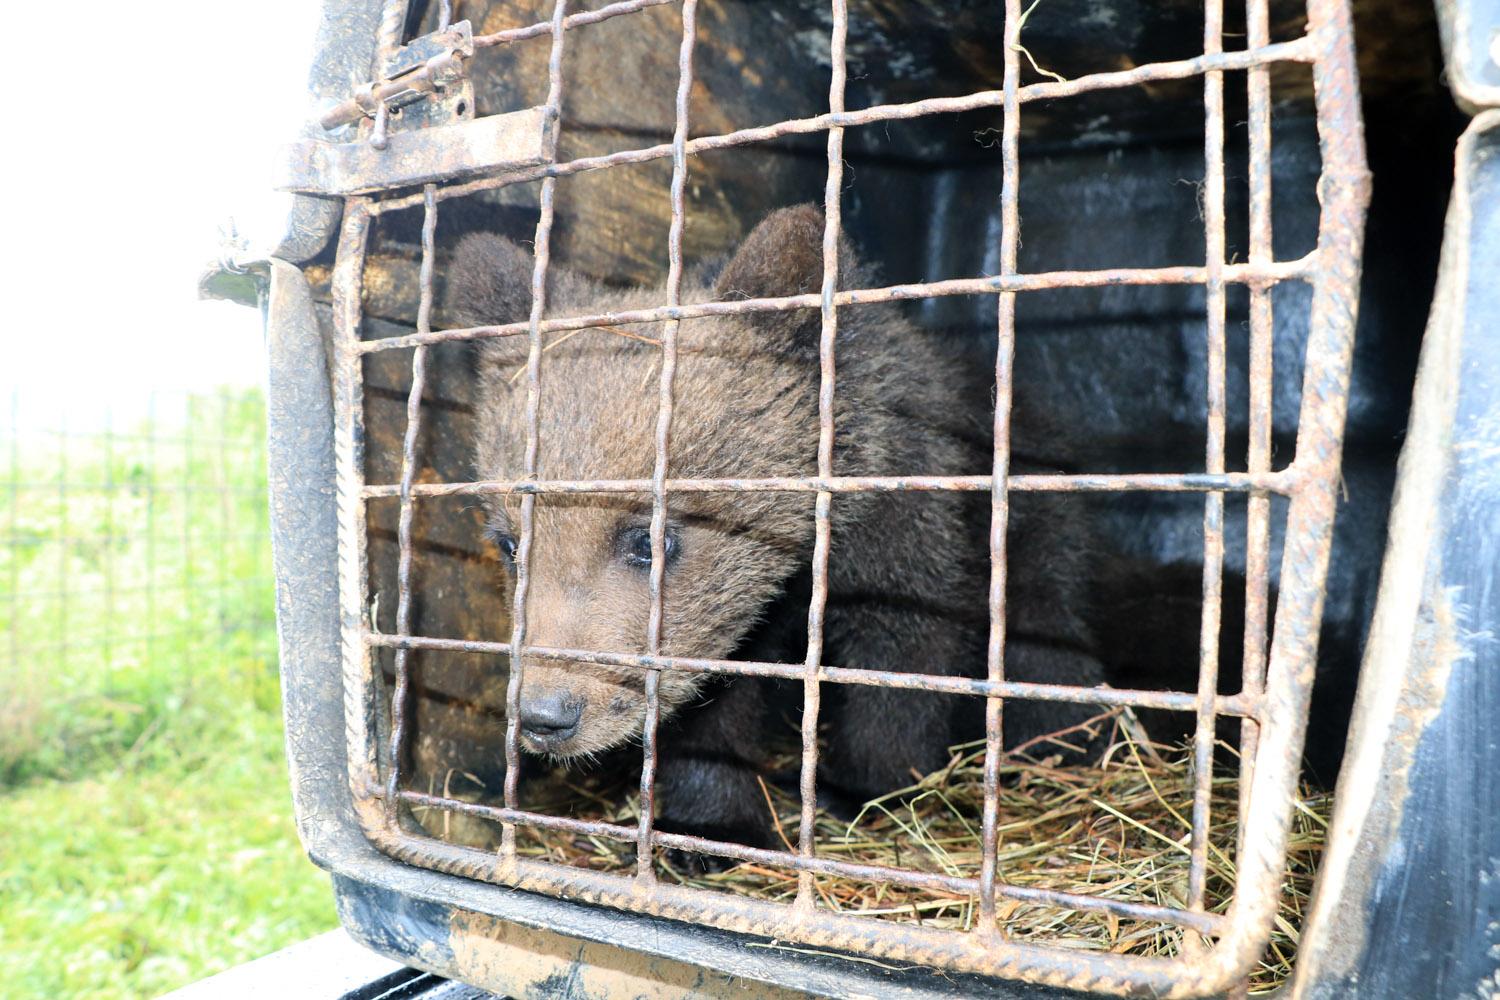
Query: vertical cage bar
{"x": 389, "y": 35}
{"x": 349, "y": 468}
{"x": 665, "y": 401}
{"x": 388, "y": 39}
{"x": 543, "y": 245}
{"x": 400, "y": 694}
{"x": 1262, "y": 329}
{"x": 1344, "y": 195}
{"x": 811, "y": 693}
{"x": 1213, "y": 508}
{"x": 1010, "y": 234}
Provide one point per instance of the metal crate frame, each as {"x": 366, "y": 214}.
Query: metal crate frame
{"x": 1273, "y": 703}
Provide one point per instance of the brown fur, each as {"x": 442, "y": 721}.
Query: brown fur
{"x": 908, "y": 573}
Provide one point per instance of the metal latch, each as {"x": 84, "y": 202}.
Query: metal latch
{"x": 416, "y": 71}
{"x": 422, "y": 107}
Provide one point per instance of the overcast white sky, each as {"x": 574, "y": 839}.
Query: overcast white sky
{"x": 138, "y": 129}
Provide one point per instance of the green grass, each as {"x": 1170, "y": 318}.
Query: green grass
{"x": 148, "y": 837}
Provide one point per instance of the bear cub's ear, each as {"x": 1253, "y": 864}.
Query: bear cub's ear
{"x": 488, "y": 282}
{"x": 784, "y": 256}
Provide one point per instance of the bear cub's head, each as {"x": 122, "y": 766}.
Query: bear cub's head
{"x": 746, "y": 391}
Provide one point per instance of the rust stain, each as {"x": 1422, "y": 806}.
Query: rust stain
{"x": 524, "y": 962}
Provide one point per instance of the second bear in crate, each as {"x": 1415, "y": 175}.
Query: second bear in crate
{"x": 908, "y": 573}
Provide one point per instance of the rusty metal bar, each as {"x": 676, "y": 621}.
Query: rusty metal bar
{"x": 349, "y": 464}
{"x": 379, "y": 135}
{"x": 543, "y": 244}
{"x": 1262, "y": 327}
{"x": 371, "y": 100}
{"x": 1213, "y": 507}
{"x": 1299, "y": 269}
{"x": 401, "y": 692}
{"x": 1299, "y": 50}
{"x": 1344, "y": 193}
{"x": 1172, "y": 701}
{"x": 644, "y": 856}
{"x": 1005, "y": 355}
{"x": 808, "y": 866}
{"x": 388, "y": 36}
{"x": 569, "y": 23}
{"x": 822, "y": 530}
{"x": 1284, "y": 482}
{"x": 847, "y": 932}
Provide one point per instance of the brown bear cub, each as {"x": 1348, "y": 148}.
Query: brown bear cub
{"x": 908, "y": 572}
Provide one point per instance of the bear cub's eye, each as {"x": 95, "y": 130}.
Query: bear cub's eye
{"x": 634, "y": 546}
{"x": 504, "y": 541}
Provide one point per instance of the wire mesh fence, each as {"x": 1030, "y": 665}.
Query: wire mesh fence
{"x": 135, "y": 545}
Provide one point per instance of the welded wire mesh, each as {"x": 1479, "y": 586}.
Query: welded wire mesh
{"x": 133, "y": 538}
{"x": 1273, "y": 700}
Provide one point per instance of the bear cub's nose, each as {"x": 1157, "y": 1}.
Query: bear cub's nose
{"x": 549, "y": 718}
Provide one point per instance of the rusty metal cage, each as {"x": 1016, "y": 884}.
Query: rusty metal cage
{"x": 374, "y": 175}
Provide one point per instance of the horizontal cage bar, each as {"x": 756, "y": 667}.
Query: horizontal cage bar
{"x": 1204, "y": 923}
{"x": 1174, "y": 701}
{"x": 1301, "y": 269}
{"x": 1298, "y": 50}
{"x": 1283, "y": 483}
{"x": 569, "y": 23}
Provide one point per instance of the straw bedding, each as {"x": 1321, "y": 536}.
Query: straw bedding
{"x": 1117, "y": 829}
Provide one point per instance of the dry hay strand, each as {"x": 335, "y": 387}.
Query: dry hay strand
{"x": 1117, "y": 829}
